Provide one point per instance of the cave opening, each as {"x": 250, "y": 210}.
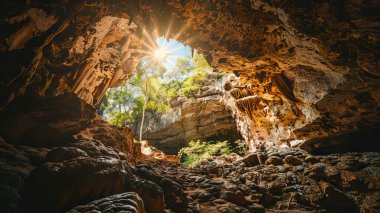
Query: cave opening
{"x": 173, "y": 87}
{"x": 302, "y": 84}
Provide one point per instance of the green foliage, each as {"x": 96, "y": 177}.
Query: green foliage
{"x": 240, "y": 147}
{"x": 188, "y": 76}
{"x": 198, "y": 150}
{"x": 121, "y": 105}
{"x": 125, "y": 103}
{"x": 192, "y": 84}
{"x": 148, "y": 79}
{"x": 152, "y": 87}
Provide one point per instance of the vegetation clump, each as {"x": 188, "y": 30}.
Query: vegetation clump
{"x": 192, "y": 155}
{"x": 147, "y": 94}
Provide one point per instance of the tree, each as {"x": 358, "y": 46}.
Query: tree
{"x": 146, "y": 95}
{"x": 121, "y": 104}
{"x": 143, "y": 91}
{"x": 188, "y": 76}
{"x": 148, "y": 79}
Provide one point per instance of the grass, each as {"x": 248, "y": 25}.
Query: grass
{"x": 198, "y": 150}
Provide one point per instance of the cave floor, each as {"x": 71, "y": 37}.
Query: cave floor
{"x": 275, "y": 180}
{"x": 290, "y": 181}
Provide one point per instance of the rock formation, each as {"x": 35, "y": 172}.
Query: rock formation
{"x": 288, "y": 179}
{"x": 60, "y": 178}
{"x": 203, "y": 118}
{"x": 303, "y": 73}
{"x": 120, "y": 138}
{"x": 315, "y": 70}
{"x": 129, "y": 202}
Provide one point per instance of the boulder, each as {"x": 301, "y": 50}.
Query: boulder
{"x": 311, "y": 159}
{"x": 150, "y": 193}
{"x": 316, "y": 171}
{"x": 291, "y": 160}
{"x": 83, "y": 179}
{"x": 232, "y": 194}
{"x": 274, "y": 160}
{"x": 253, "y": 159}
{"x": 125, "y": 202}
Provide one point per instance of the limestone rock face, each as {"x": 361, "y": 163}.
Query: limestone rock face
{"x": 309, "y": 69}
{"x": 120, "y": 138}
{"x": 203, "y": 118}
{"x": 130, "y": 202}
{"x": 85, "y": 55}
{"x": 302, "y": 71}
{"x": 44, "y": 122}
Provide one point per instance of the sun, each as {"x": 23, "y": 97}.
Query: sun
{"x": 162, "y": 51}
{"x": 160, "y": 54}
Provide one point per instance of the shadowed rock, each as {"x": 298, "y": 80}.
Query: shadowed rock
{"x": 125, "y": 202}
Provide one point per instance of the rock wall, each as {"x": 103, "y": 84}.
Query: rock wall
{"x": 304, "y": 72}
{"x": 313, "y": 64}
{"x": 310, "y": 67}
{"x": 120, "y": 138}
{"x": 84, "y": 53}
{"x": 204, "y": 117}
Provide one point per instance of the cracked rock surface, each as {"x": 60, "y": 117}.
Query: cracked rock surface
{"x": 301, "y": 74}
{"x": 330, "y": 183}
{"x": 309, "y": 70}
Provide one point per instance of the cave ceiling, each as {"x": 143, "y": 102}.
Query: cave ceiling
{"x": 298, "y": 70}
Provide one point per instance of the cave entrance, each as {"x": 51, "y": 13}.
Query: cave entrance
{"x": 168, "y": 71}
{"x": 174, "y": 91}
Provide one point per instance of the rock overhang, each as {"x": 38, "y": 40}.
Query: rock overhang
{"x": 305, "y": 63}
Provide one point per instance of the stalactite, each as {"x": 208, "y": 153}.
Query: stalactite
{"x": 238, "y": 93}
{"x": 285, "y": 87}
{"x": 248, "y": 105}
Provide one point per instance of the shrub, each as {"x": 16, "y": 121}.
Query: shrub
{"x": 198, "y": 150}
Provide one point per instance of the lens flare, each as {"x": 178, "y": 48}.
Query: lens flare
{"x": 158, "y": 48}
{"x": 161, "y": 54}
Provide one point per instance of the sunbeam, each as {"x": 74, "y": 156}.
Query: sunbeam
{"x": 160, "y": 54}
{"x": 164, "y": 50}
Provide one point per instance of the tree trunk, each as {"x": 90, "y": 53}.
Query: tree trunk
{"x": 117, "y": 120}
{"x": 142, "y": 121}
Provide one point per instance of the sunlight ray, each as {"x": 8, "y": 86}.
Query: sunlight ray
{"x": 150, "y": 39}
{"x": 169, "y": 28}
{"x": 179, "y": 33}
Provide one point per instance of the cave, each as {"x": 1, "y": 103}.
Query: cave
{"x": 173, "y": 98}
{"x": 301, "y": 85}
